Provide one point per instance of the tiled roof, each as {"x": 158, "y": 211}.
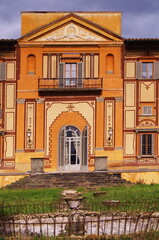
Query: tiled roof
{"x": 8, "y": 40}
{"x": 142, "y": 39}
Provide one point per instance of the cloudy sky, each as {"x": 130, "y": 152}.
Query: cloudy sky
{"x": 140, "y": 18}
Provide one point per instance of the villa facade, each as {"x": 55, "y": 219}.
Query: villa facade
{"x": 76, "y": 96}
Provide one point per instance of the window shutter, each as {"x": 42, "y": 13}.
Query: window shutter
{"x": 2, "y": 71}
{"x": 139, "y": 70}
{"x": 141, "y": 143}
{"x": 152, "y": 146}
{"x": 80, "y": 74}
{"x": 85, "y": 146}
{"x": 61, "y": 152}
{"x": 156, "y": 70}
{"x": 61, "y": 75}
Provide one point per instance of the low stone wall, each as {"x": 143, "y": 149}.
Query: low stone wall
{"x": 146, "y": 177}
{"x": 7, "y": 179}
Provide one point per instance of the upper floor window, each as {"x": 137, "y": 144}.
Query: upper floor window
{"x": 147, "y": 70}
{"x": 71, "y": 73}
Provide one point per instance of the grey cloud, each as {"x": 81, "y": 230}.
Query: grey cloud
{"x": 141, "y": 26}
{"x": 140, "y": 17}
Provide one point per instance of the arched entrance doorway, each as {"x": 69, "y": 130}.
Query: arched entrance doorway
{"x": 72, "y": 149}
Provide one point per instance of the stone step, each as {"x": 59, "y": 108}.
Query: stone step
{"x": 68, "y": 180}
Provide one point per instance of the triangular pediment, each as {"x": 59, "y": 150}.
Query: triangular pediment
{"x": 71, "y": 28}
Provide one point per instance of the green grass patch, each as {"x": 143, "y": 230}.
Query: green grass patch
{"x": 140, "y": 197}
{"x": 8, "y": 195}
{"x": 29, "y": 201}
{"x": 128, "y": 193}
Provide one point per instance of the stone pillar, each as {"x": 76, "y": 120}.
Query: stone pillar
{"x": 101, "y": 163}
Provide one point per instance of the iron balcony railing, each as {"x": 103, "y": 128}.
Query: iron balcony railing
{"x": 60, "y": 84}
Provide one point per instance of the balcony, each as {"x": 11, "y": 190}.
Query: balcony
{"x": 70, "y": 84}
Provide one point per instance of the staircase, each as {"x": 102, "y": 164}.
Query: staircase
{"x": 68, "y": 180}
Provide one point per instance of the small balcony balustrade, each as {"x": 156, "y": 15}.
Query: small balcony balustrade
{"x": 70, "y": 84}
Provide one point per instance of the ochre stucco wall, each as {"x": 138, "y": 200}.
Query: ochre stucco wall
{"x": 33, "y": 20}
{"x": 142, "y": 177}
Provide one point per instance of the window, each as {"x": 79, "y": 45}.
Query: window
{"x": 71, "y": 73}
{"x": 147, "y": 144}
{"x": 147, "y": 70}
{"x": 147, "y": 110}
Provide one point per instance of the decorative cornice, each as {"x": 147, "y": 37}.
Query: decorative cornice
{"x": 118, "y": 148}
{"x": 119, "y": 99}
{"x": 19, "y": 150}
{"x": 21, "y": 100}
{"x": 40, "y": 100}
{"x": 146, "y": 130}
{"x": 99, "y": 149}
{"x": 100, "y": 99}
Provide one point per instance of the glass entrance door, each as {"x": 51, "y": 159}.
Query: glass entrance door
{"x": 70, "y": 148}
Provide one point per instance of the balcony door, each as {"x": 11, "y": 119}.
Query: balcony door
{"x": 71, "y": 74}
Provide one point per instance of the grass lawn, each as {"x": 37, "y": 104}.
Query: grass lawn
{"x": 138, "y": 197}
{"x": 136, "y": 193}
{"x": 9, "y": 195}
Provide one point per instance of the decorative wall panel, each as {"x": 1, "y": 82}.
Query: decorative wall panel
{"x": 130, "y": 95}
{"x": 130, "y": 69}
{"x": 96, "y": 66}
{"x": 147, "y": 92}
{"x": 130, "y": 105}
{"x": 11, "y": 70}
{"x": 129, "y": 142}
{"x": 129, "y": 118}
{"x": 30, "y": 125}
{"x": 53, "y": 66}
{"x": 10, "y": 96}
{"x": 88, "y": 67}
{"x": 10, "y": 121}
{"x": 45, "y": 66}
{"x": 9, "y": 146}
{"x": 109, "y": 123}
